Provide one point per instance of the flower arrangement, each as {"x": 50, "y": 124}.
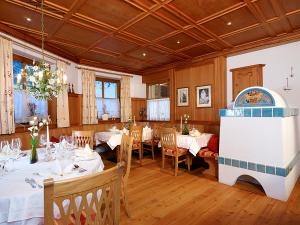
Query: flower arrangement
{"x": 36, "y": 126}
{"x": 185, "y": 130}
{"x": 142, "y": 113}
{"x": 44, "y": 83}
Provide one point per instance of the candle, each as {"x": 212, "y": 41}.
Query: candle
{"x": 64, "y": 78}
{"x": 180, "y": 123}
{"x": 40, "y": 75}
{"x": 19, "y": 77}
{"x": 48, "y": 137}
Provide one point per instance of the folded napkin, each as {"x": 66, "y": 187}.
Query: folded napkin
{"x": 195, "y": 133}
{"x": 62, "y": 166}
{"x": 87, "y": 149}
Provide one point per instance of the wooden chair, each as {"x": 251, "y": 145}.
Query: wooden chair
{"x": 92, "y": 199}
{"x": 137, "y": 133}
{"x": 149, "y": 145}
{"x": 169, "y": 148}
{"x": 81, "y": 138}
{"x": 125, "y": 157}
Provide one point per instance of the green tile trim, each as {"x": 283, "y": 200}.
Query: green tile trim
{"x": 259, "y": 112}
{"x": 261, "y": 168}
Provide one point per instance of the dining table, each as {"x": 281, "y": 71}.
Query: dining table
{"x": 113, "y": 138}
{"x": 194, "y": 143}
{"x": 21, "y": 186}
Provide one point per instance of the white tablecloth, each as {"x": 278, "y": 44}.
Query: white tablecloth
{"x": 22, "y": 204}
{"x": 193, "y": 144}
{"x": 114, "y": 138}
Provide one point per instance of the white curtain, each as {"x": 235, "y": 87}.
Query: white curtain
{"x": 158, "y": 109}
{"x": 109, "y": 106}
{"x": 63, "y": 119}
{"x": 89, "y": 111}
{"x": 125, "y": 98}
{"x": 7, "y": 123}
{"x": 23, "y": 102}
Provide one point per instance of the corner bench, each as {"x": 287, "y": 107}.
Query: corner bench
{"x": 211, "y": 158}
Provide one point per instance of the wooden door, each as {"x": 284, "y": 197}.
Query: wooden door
{"x": 245, "y": 77}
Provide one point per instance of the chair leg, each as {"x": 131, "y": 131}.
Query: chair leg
{"x": 153, "y": 152}
{"x": 163, "y": 160}
{"x": 188, "y": 158}
{"x": 176, "y": 165}
{"x": 125, "y": 201}
{"x": 140, "y": 155}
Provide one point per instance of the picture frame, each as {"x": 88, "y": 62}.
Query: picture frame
{"x": 183, "y": 96}
{"x": 203, "y": 96}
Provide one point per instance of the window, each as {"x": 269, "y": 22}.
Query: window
{"x": 25, "y": 106}
{"x": 107, "y": 97}
{"x": 158, "y": 103}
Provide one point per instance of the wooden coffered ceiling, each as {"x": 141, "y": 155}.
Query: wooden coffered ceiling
{"x": 137, "y": 35}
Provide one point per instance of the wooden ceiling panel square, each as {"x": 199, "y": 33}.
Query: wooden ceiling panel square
{"x": 150, "y": 28}
{"x": 247, "y": 36}
{"x": 198, "y": 51}
{"x": 266, "y": 7}
{"x": 239, "y": 19}
{"x": 97, "y": 56}
{"x": 117, "y": 45}
{"x": 9, "y": 12}
{"x": 199, "y": 9}
{"x": 145, "y": 54}
{"x": 65, "y": 3}
{"x": 178, "y": 41}
{"x": 290, "y": 5}
{"x": 295, "y": 20}
{"x": 78, "y": 35}
{"x": 112, "y": 12}
{"x": 277, "y": 27}
{"x": 164, "y": 59}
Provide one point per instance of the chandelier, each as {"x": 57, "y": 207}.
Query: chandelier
{"x": 43, "y": 82}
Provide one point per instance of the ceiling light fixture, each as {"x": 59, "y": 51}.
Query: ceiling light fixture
{"x": 229, "y": 23}
{"x": 144, "y": 54}
{"x": 44, "y": 82}
{"x": 178, "y": 42}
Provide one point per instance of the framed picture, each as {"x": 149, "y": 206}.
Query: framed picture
{"x": 182, "y": 96}
{"x": 203, "y": 96}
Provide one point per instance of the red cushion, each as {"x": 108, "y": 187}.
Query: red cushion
{"x": 54, "y": 139}
{"x": 206, "y": 153}
{"x": 213, "y": 144}
{"x": 173, "y": 151}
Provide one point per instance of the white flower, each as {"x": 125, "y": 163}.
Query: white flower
{"x": 35, "y": 134}
{"x": 44, "y": 121}
{"x": 30, "y": 128}
{"x": 35, "y": 118}
{"x": 41, "y": 124}
{"x": 35, "y": 68}
{"x": 32, "y": 79}
{"x": 31, "y": 122}
{"x": 51, "y": 81}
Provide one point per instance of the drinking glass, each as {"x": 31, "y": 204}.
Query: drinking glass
{"x": 43, "y": 140}
{"x": 16, "y": 145}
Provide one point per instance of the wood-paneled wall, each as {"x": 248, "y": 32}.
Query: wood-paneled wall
{"x": 136, "y": 105}
{"x": 209, "y": 72}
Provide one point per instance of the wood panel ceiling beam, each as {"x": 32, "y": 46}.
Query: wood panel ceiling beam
{"x": 279, "y": 10}
{"x": 258, "y": 14}
{"x": 77, "y": 4}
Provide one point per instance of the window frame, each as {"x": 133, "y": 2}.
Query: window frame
{"x": 159, "y": 91}
{"x": 111, "y": 81}
{"x": 25, "y": 61}
{"x": 104, "y": 79}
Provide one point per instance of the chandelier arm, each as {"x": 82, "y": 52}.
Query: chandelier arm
{"x": 43, "y": 30}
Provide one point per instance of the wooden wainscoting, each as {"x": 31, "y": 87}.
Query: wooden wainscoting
{"x": 136, "y": 105}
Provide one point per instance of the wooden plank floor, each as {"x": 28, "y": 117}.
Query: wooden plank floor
{"x": 158, "y": 198}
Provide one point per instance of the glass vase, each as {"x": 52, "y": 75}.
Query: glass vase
{"x": 185, "y": 129}
{"x": 33, "y": 155}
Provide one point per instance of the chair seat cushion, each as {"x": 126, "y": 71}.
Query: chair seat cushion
{"x": 152, "y": 141}
{"x": 172, "y": 151}
{"x": 213, "y": 144}
{"x": 136, "y": 145}
{"x": 206, "y": 153}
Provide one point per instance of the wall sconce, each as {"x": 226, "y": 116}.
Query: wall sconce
{"x": 287, "y": 88}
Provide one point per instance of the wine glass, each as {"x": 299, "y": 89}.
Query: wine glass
{"x": 4, "y": 147}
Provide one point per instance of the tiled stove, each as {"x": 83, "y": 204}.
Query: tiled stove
{"x": 259, "y": 138}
